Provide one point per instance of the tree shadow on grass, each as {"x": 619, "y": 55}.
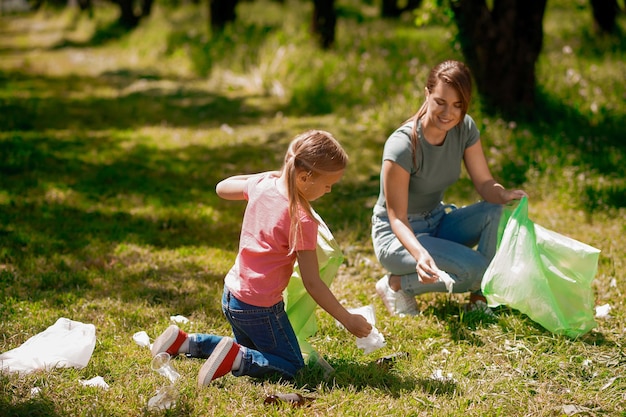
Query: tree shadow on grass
{"x": 133, "y": 100}
{"x": 349, "y": 373}
{"x": 15, "y": 402}
{"x": 72, "y": 212}
{"x": 34, "y": 407}
{"x": 107, "y": 33}
{"x": 374, "y": 374}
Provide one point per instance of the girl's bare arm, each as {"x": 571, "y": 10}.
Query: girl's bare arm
{"x": 309, "y": 269}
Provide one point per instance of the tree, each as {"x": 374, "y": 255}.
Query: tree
{"x": 604, "y": 15}
{"x": 324, "y": 22}
{"x": 391, "y": 8}
{"x": 128, "y": 18}
{"x": 502, "y": 45}
{"x": 222, "y": 12}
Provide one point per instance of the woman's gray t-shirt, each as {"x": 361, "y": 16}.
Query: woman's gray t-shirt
{"x": 435, "y": 167}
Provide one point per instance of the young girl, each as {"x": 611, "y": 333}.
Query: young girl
{"x": 278, "y": 228}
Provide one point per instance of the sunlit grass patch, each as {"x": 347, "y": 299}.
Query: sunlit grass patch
{"x": 113, "y": 141}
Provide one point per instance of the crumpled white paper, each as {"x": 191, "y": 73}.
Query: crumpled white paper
{"x": 447, "y": 280}
{"x": 142, "y": 339}
{"x": 65, "y": 344}
{"x": 375, "y": 340}
{"x": 179, "y": 319}
{"x": 96, "y": 381}
{"x": 602, "y": 312}
{"x": 438, "y": 375}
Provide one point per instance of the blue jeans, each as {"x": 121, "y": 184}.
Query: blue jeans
{"x": 449, "y": 236}
{"x": 270, "y": 344}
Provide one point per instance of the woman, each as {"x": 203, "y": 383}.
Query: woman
{"x": 416, "y": 236}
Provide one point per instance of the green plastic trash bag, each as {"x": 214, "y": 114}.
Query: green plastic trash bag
{"x": 299, "y": 305}
{"x": 543, "y": 274}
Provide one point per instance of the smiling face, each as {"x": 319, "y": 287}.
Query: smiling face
{"x": 445, "y": 108}
{"x": 314, "y": 185}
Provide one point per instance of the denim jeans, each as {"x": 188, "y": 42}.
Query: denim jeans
{"x": 269, "y": 341}
{"x": 449, "y": 235}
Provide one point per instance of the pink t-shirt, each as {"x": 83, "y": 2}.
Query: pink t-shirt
{"x": 263, "y": 265}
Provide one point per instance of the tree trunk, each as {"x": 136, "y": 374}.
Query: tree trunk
{"x": 501, "y": 47}
{"x": 222, "y": 12}
{"x": 127, "y": 15}
{"x": 390, "y": 8}
{"x": 604, "y": 15}
{"x": 146, "y": 7}
{"x": 85, "y": 5}
{"x": 324, "y": 21}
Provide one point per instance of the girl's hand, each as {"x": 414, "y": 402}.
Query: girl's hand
{"x": 426, "y": 268}
{"x": 358, "y": 326}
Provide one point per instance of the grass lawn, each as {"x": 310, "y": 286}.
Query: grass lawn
{"x": 111, "y": 144}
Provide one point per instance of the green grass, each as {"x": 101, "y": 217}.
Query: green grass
{"x": 111, "y": 144}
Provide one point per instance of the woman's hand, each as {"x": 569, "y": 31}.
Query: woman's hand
{"x": 509, "y": 195}
{"x": 426, "y": 268}
{"x": 357, "y": 325}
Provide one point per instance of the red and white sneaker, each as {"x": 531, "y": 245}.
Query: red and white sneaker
{"x": 169, "y": 341}
{"x": 219, "y": 363}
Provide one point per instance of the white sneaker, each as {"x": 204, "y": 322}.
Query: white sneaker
{"x": 397, "y": 302}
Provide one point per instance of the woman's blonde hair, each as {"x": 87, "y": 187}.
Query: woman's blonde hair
{"x": 314, "y": 152}
{"x": 455, "y": 74}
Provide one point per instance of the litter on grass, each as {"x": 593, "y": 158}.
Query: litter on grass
{"x": 602, "y": 312}
{"x": 165, "y": 397}
{"x": 65, "y": 344}
{"x": 179, "y": 319}
{"x": 96, "y": 381}
{"x": 142, "y": 339}
{"x": 161, "y": 365}
{"x": 438, "y": 376}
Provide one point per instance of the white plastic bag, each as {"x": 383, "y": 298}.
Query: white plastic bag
{"x": 375, "y": 340}
{"x": 65, "y": 344}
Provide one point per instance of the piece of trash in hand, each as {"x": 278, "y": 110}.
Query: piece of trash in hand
{"x": 295, "y": 399}
{"x": 374, "y": 340}
{"x": 387, "y": 361}
{"x": 602, "y": 312}
{"x": 447, "y": 280}
{"x": 142, "y": 339}
{"x": 96, "y": 381}
{"x": 179, "y": 319}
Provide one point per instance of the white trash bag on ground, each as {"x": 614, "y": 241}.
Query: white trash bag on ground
{"x": 65, "y": 344}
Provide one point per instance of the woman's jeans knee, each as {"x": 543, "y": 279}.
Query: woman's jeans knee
{"x": 271, "y": 345}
